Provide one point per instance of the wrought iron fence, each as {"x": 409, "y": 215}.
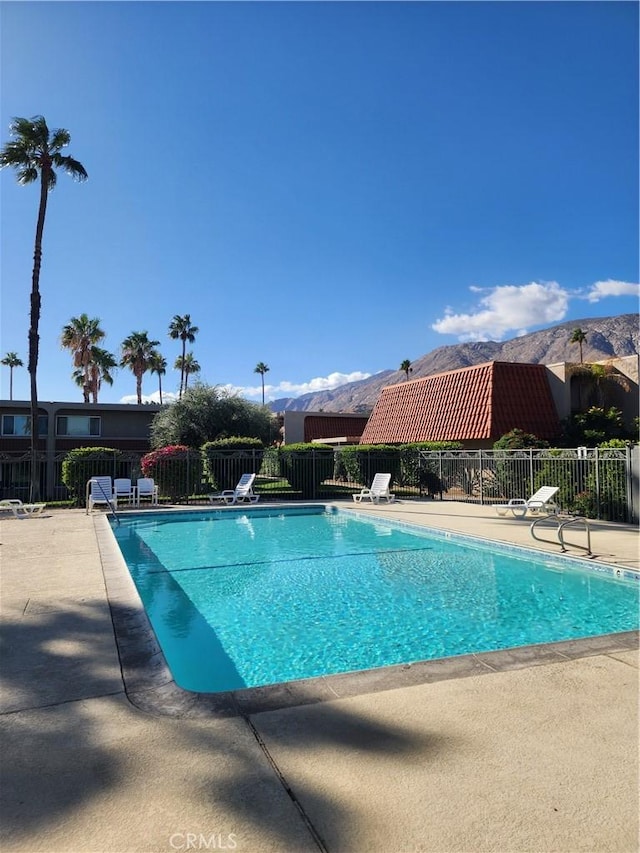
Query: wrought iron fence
{"x": 596, "y": 482}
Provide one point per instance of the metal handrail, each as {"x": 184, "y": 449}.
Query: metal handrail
{"x": 104, "y": 495}
{"x": 561, "y": 524}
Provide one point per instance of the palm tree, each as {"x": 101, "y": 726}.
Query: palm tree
{"x": 181, "y": 327}
{"x": 578, "y": 337}
{"x": 406, "y": 368}
{"x": 35, "y": 154}
{"x": 261, "y": 368}
{"x": 102, "y": 363}
{"x": 158, "y": 365}
{"x": 79, "y": 336}
{"x": 187, "y": 365}
{"x": 11, "y": 360}
{"x": 137, "y": 353}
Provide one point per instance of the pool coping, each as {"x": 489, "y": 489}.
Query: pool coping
{"x": 149, "y": 684}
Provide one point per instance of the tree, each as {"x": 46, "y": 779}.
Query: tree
{"x": 11, "y": 360}
{"x": 406, "y": 368}
{"x": 578, "y": 337}
{"x": 208, "y": 413}
{"x": 187, "y": 365}
{"x": 79, "y": 336}
{"x": 35, "y": 154}
{"x": 158, "y": 365}
{"x": 102, "y": 363}
{"x": 137, "y": 353}
{"x": 182, "y": 328}
{"x": 261, "y": 368}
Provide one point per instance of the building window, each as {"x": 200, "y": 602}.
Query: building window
{"x": 77, "y": 425}
{"x": 20, "y": 425}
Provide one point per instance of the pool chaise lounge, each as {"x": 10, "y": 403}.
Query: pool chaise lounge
{"x": 379, "y": 490}
{"x": 21, "y": 510}
{"x": 242, "y": 493}
{"x": 539, "y": 503}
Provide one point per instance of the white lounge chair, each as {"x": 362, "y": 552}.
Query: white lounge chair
{"x": 21, "y": 510}
{"x": 242, "y": 493}
{"x": 100, "y": 493}
{"x": 379, "y": 490}
{"x": 146, "y": 488}
{"x": 123, "y": 489}
{"x": 540, "y": 502}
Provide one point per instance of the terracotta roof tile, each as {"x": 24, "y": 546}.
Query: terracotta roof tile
{"x": 316, "y": 426}
{"x": 475, "y": 403}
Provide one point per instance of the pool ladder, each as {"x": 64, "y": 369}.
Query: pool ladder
{"x": 561, "y": 523}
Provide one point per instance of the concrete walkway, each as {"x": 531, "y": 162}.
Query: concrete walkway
{"x": 538, "y": 754}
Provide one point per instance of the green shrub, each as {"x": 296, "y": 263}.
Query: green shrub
{"x": 517, "y": 439}
{"x": 176, "y": 470}
{"x": 360, "y": 463}
{"x": 227, "y": 459}
{"x": 418, "y": 472}
{"x": 82, "y": 463}
{"x": 306, "y": 466}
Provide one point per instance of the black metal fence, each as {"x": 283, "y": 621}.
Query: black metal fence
{"x": 598, "y": 483}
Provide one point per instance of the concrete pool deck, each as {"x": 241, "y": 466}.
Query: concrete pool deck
{"x": 540, "y": 754}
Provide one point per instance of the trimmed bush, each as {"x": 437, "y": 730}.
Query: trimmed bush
{"x": 176, "y": 470}
{"x": 82, "y": 463}
{"x": 360, "y": 463}
{"x": 306, "y": 466}
{"x": 227, "y": 459}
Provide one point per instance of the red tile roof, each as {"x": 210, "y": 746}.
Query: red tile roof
{"x": 319, "y": 426}
{"x": 475, "y": 403}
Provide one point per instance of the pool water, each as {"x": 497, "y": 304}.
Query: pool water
{"x": 246, "y": 598}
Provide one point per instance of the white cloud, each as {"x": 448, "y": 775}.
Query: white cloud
{"x": 507, "y": 309}
{"x": 602, "y": 289}
{"x": 295, "y": 389}
{"x": 167, "y": 397}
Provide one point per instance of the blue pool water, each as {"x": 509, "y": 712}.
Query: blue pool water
{"x": 241, "y": 599}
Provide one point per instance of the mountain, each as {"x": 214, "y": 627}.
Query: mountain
{"x": 606, "y": 337}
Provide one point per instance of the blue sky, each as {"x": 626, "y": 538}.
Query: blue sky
{"x": 327, "y": 187}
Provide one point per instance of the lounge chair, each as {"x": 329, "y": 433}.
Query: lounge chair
{"x": 147, "y": 488}
{"x": 124, "y": 490}
{"x": 539, "y": 503}
{"x": 100, "y": 493}
{"x": 21, "y": 510}
{"x": 379, "y": 490}
{"x": 242, "y": 493}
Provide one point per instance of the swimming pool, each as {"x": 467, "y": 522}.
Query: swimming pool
{"x": 262, "y": 596}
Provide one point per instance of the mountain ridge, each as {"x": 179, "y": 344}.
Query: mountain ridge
{"x": 606, "y": 337}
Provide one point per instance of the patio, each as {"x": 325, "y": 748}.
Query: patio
{"x": 539, "y": 755}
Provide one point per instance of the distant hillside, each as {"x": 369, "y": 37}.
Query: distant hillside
{"x": 606, "y": 337}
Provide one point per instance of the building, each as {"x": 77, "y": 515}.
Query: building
{"x": 328, "y": 427}
{"x": 477, "y": 405}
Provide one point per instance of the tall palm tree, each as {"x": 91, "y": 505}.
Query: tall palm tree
{"x": 11, "y": 360}
{"x": 80, "y": 336}
{"x": 406, "y": 368}
{"x": 137, "y": 352}
{"x": 158, "y": 365}
{"x": 187, "y": 365}
{"x": 261, "y": 368}
{"x": 578, "y": 337}
{"x": 35, "y": 154}
{"x": 181, "y": 327}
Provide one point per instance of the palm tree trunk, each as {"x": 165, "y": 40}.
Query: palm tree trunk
{"x": 262, "y": 377}
{"x": 160, "y": 387}
{"x": 11, "y": 383}
{"x": 182, "y": 377}
{"x": 139, "y": 387}
{"x": 34, "y": 340}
